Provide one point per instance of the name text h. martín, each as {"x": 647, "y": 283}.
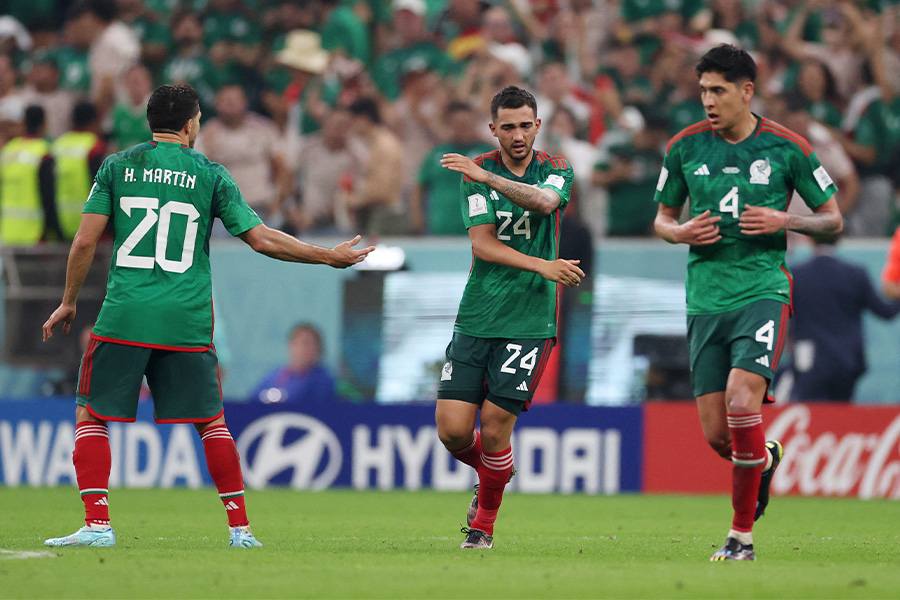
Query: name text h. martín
{"x": 166, "y": 176}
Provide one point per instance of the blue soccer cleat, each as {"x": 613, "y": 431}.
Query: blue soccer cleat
{"x": 242, "y": 537}
{"x": 86, "y": 536}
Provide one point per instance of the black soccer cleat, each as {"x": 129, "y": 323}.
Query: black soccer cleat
{"x": 733, "y": 550}
{"x": 476, "y": 538}
{"x": 775, "y": 448}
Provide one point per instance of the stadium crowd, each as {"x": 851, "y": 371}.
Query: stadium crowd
{"x": 331, "y": 113}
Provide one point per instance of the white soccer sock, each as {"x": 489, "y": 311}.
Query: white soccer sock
{"x": 744, "y": 537}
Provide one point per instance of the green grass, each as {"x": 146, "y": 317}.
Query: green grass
{"x": 346, "y": 544}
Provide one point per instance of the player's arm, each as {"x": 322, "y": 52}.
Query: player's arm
{"x": 81, "y": 255}
{"x": 279, "y": 245}
{"x": 487, "y": 247}
{"x": 702, "y": 230}
{"x": 825, "y": 221}
{"x": 539, "y": 200}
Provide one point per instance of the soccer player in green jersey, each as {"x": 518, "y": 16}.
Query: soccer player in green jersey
{"x": 739, "y": 170}
{"x": 157, "y": 318}
{"x": 512, "y": 204}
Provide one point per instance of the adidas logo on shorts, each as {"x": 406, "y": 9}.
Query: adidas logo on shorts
{"x": 523, "y": 387}
{"x": 763, "y": 360}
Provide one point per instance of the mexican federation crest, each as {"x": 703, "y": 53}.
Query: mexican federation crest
{"x": 760, "y": 171}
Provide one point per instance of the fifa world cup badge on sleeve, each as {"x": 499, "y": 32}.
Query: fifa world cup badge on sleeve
{"x": 556, "y": 181}
{"x": 663, "y": 176}
{"x": 822, "y": 177}
{"x": 477, "y": 205}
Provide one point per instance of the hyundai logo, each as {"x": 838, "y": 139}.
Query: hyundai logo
{"x": 315, "y": 457}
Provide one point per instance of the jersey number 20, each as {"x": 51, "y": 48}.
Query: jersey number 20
{"x": 124, "y": 257}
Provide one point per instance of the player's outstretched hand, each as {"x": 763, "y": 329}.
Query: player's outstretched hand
{"x": 65, "y": 314}
{"x": 702, "y": 230}
{"x": 562, "y": 271}
{"x": 758, "y": 220}
{"x": 465, "y": 165}
{"x": 347, "y": 256}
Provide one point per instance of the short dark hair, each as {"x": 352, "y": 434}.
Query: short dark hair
{"x": 34, "y": 119}
{"x": 512, "y": 97}
{"x": 83, "y": 114}
{"x": 105, "y": 10}
{"x": 365, "y": 107}
{"x": 171, "y": 106}
{"x": 734, "y": 63}
{"x": 457, "y": 106}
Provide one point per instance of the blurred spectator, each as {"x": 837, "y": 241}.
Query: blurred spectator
{"x": 328, "y": 159}
{"x": 683, "y": 107}
{"x": 415, "y": 118}
{"x": 189, "y": 62}
{"x": 344, "y": 28}
{"x": 42, "y": 89}
{"x": 14, "y": 37}
{"x": 231, "y": 33}
{"x": 303, "y": 381}
{"x": 816, "y": 85}
{"x": 77, "y": 155}
{"x": 829, "y": 299}
{"x": 247, "y": 145}
{"x": 129, "y": 116}
{"x": 557, "y": 90}
{"x": 629, "y": 172}
{"x": 372, "y": 202}
{"x": 460, "y": 28}
{"x": 27, "y": 203}
{"x": 8, "y": 78}
{"x": 112, "y": 47}
{"x": 12, "y": 119}
{"x": 561, "y": 138}
{"x": 434, "y": 205}
{"x": 307, "y": 95}
{"x": 149, "y": 28}
{"x": 413, "y": 50}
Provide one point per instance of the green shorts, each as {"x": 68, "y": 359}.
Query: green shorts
{"x": 185, "y": 385}
{"x": 750, "y": 338}
{"x": 504, "y": 371}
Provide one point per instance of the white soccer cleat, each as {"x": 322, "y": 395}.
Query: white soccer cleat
{"x": 242, "y": 537}
{"x": 86, "y": 536}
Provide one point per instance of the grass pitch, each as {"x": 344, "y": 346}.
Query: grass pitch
{"x": 347, "y": 544}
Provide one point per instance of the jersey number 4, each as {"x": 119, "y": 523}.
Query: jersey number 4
{"x": 124, "y": 256}
{"x": 729, "y": 204}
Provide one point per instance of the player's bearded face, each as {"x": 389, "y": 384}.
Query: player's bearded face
{"x": 726, "y": 103}
{"x": 515, "y": 129}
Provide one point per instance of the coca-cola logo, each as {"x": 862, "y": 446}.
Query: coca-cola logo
{"x": 829, "y": 463}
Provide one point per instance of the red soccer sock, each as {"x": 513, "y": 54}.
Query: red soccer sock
{"x": 748, "y": 456}
{"x": 492, "y": 479}
{"x": 471, "y": 454}
{"x": 224, "y": 466}
{"x": 93, "y": 461}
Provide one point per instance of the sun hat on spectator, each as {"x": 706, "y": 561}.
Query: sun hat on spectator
{"x": 417, "y": 7}
{"x": 303, "y": 51}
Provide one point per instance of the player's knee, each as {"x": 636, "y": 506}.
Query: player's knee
{"x": 454, "y": 435}
{"x": 742, "y": 402}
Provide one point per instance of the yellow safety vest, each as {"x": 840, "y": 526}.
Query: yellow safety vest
{"x": 73, "y": 177}
{"x": 21, "y": 212}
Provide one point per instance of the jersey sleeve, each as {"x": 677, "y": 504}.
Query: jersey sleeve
{"x": 811, "y": 180}
{"x": 476, "y": 203}
{"x": 231, "y": 208}
{"x": 99, "y": 200}
{"x": 560, "y": 181}
{"x": 671, "y": 188}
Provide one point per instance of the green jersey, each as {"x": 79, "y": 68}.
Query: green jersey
{"x": 724, "y": 178}
{"x": 162, "y": 199}
{"x": 500, "y": 301}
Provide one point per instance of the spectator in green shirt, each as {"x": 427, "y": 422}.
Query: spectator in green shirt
{"x": 129, "y": 115}
{"x": 343, "y": 31}
{"x": 434, "y": 204}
